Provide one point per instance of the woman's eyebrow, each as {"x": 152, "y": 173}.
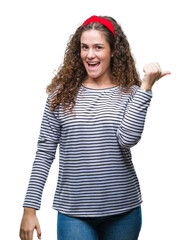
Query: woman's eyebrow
{"x": 93, "y": 44}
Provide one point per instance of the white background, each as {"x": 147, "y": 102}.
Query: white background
{"x": 33, "y": 39}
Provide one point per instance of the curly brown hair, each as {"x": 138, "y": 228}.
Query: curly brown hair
{"x": 72, "y": 72}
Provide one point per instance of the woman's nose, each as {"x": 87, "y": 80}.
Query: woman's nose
{"x": 91, "y": 53}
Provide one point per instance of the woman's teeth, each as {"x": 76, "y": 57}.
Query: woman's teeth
{"x": 93, "y": 63}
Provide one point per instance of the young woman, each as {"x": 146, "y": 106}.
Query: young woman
{"x": 96, "y": 112}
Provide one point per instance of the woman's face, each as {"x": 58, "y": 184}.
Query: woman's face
{"x": 95, "y": 54}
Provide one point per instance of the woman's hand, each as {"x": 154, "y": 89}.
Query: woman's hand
{"x": 28, "y": 224}
{"x": 152, "y": 72}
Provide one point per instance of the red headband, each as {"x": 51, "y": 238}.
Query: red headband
{"x": 102, "y": 20}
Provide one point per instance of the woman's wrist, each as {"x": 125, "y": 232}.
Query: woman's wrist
{"x": 29, "y": 210}
{"x": 145, "y": 87}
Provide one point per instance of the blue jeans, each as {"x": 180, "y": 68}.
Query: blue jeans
{"x": 124, "y": 226}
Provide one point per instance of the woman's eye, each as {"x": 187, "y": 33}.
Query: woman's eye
{"x": 84, "y": 47}
{"x": 98, "y": 47}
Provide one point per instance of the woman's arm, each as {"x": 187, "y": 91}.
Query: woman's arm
{"x": 130, "y": 131}
{"x": 131, "y": 128}
{"x": 46, "y": 149}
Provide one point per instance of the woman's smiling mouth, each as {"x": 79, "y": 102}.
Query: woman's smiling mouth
{"x": 93, "y": 65}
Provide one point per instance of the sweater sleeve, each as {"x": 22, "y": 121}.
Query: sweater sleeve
{"x": 131, "y": 128}
{"x": 46, "y": 149}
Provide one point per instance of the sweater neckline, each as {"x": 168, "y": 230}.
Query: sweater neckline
{"x": 99, "y": 89}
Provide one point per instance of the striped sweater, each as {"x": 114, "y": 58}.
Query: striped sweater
{"x": 96, "y": 173}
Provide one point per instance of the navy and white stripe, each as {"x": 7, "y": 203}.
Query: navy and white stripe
{"x": 96, "y": 174}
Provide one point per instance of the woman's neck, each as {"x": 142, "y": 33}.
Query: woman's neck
{"x": 98, "y": 83}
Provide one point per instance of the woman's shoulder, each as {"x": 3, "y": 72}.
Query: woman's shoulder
{"x": 134, "y": 88}
{"x": 52, "y": 94}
